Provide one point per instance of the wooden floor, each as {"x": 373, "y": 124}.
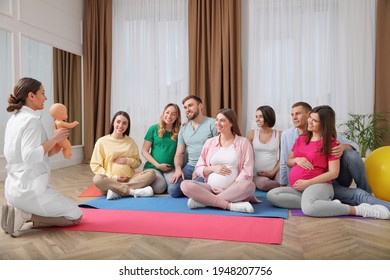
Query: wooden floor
{"x": 303, "y": 238}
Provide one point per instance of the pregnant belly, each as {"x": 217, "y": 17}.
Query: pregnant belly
{"x": 219, "y": 181}
{"x": 122, "y": 170}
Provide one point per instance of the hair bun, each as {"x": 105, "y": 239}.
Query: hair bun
{"x": 13, "y": 99}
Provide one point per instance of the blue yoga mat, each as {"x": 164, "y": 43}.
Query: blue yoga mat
{"x": 179, "y": 205}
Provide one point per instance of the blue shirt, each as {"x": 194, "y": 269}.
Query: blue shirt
{"x": 194, "y": 139}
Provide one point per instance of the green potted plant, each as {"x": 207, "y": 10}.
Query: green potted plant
{"x": 367, "y": 130}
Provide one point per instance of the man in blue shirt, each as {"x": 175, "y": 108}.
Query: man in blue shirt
{"x": 190, "y": 141}
{"x": 351, "y": 164}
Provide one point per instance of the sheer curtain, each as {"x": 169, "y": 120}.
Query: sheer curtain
{"x": 150, "y": 59}
{"x": 6, "y": 86}
{"x": 37, "y": 63}
{"x": 318, "y": 51}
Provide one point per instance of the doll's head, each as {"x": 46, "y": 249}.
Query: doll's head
{"x": 58, "y": 111}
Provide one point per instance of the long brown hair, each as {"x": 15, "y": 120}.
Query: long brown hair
{"x": 232, "y": 117}
{"x": 328, "y": 127}
{"x": 176, "y": 125}
{"x": 21, "y": 90}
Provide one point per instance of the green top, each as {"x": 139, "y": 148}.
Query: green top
{"x": 162, "y": 150}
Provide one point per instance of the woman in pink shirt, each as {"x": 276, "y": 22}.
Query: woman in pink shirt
{"x": 226, "y": 164}
{"x": 312, "y": 169}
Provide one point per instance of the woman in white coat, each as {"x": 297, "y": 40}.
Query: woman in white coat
{"x": 30, "y": 201}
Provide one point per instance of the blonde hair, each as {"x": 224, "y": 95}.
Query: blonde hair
{"x": 176, "y": 125}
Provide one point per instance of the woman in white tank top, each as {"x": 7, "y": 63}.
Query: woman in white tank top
{"x": 266, "y": 147}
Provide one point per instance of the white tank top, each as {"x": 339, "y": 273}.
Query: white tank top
{"x": 266, "y": 155}
{"x": 229, "y": 158}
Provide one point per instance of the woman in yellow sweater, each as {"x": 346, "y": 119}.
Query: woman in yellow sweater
{"x": 114, "y": 160}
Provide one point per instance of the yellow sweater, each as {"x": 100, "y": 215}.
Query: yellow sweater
{"x": 108, "y": 148}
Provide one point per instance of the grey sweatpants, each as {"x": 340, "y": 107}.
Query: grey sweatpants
{"x": 315, "y": 200}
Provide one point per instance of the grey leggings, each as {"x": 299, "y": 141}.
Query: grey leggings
{"x": 161, "y": 182}
{"x": 315, "y": 200}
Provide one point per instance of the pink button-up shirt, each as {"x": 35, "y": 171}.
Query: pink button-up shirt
{"x": 244, "y": 151}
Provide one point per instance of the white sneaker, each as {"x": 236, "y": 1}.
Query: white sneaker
{"x": 18, "y": 221}
{"x": 376, "y": 211}
{"x": 242, "y": 207}
{"x": 112, "y": 195}
{"x": 147, "y": 191}
{"x": 194, "y": 204}
{"x": 336, "y": 200}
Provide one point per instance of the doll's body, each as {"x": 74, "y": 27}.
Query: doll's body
{"x": 59, "y": 113}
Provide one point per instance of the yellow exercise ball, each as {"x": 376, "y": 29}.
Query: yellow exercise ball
{"x": 378, "y": 172}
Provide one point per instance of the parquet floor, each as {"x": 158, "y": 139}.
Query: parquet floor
{"x": 303, "y": 238}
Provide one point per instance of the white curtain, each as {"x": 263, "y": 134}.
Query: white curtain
{"x": 5, "y": 81}
{"x": 150, "y": 59}
{"x": 317, "y": 51}
{"x": 37, "y": 63}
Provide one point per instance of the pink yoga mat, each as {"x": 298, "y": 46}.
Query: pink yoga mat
{"x": 91, "y": 191}
{"x": 229, "y": 228}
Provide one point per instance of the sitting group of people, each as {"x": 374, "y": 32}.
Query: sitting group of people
{"x": 206, "y": 160}
{"x": 309, "y": 166}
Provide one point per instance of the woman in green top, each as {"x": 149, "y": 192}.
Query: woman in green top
{"x": 159, "y": 146}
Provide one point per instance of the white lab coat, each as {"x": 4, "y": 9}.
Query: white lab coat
{"x": 28, "y": 170}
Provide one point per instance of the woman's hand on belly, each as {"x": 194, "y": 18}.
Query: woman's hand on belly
{"x": 301, "y": 185}
{"x": 120, "y": 160}
{"x": 222, "y": 170}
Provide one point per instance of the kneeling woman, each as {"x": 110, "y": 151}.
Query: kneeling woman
{"x": 226, "y": 164}
{"x": 31, "y": 202}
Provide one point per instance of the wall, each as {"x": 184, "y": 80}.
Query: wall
{"x": 57, "y": 23}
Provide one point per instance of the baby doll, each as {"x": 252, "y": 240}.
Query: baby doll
{"x": 59, "y": 113}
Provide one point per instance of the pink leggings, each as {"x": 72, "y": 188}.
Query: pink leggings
{"x": 202, "y": 193}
